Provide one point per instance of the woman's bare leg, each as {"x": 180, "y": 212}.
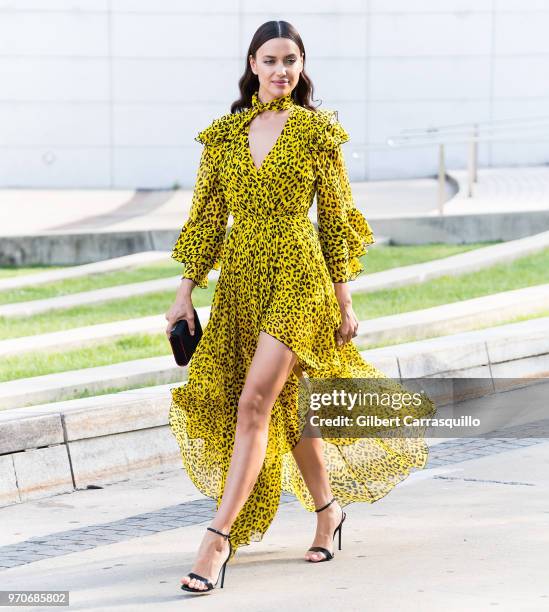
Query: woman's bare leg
{"x": 308, "y": 454}
{"x": 269, "y": 370}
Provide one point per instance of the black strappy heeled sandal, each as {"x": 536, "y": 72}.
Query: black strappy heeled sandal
{"x": 209, "y": 585}
{"x": 325, "y": 551}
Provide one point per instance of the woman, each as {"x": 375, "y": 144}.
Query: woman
{"x": 281, "y": 307}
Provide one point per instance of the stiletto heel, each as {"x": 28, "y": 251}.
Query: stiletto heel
{"x": 208, "y": 583}
{"x": 329, "y": 555}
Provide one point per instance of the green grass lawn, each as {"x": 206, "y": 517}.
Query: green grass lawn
{"x": 381, "y": 258}
{"x": 153, "y": 271}
{"x": 10, "y": 271}
{"x": 537, "y": 315}
{"x": 523, "y": 272}
{"x": 79, "y": 316}
{"x": 125, "y": 348}
{"x": 377, "y": 259}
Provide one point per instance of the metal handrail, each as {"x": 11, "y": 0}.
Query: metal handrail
{"x": 427, "y": 143}
{"x": 472, "y": 136}
{"x": 472, "y": 133}
{"x": 477, "y": 123}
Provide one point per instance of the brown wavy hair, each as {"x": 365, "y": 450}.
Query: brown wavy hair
{"x": 249, "y": 82}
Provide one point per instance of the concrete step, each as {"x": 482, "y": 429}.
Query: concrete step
{"x": 456, "y": 317}
{"x": 455, "y": 265}
{"x": 501, "y": 189}
{"x": 97, "y": 267}
{"x": 84, "y": 298}
{"x": 25, "y": 392}
{"x": 90, "y": 334}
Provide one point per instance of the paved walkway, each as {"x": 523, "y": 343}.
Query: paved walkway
{"x": 502, "y": 190}
{"x": 68, "y": 210}
{"x": 466, "y": 533}
{"x": 64, "y": 211}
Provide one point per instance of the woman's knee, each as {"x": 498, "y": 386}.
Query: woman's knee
{"x": 254, "y": 409}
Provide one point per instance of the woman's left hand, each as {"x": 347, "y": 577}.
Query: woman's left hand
{"x": 349, "y": 326}
{"x": 349, "y": 323}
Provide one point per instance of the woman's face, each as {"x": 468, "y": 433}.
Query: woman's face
{"x": 278, "y": 63}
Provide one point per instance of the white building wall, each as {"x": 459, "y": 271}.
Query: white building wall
{"x": 110, "y": 93}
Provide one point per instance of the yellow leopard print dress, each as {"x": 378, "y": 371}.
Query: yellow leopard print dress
{"x": 276, "y": 276}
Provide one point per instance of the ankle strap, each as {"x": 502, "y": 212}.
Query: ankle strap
{"x": 225, "y": 535}
{"x": 323, "y": 507}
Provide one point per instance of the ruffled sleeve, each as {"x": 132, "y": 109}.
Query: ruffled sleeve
{"x": 200, "y": 244}
{"x": 343, "y": 231}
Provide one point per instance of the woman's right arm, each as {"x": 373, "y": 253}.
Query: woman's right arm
{"x": 182, "y": 308}
{"x": 199, "y": 246}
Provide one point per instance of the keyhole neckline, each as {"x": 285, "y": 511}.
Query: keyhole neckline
{"x": 273, "y": 148}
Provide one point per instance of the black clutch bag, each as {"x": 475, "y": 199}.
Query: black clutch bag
{"x": 182, "y": 342}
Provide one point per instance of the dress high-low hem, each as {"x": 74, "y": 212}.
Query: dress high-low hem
{"x": 276, "y": 275}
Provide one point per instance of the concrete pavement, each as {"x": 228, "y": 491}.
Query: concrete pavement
{"x": 469, "y": 533}
{"x": 78, "y": 227}
{"x": 98, "y": 210}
